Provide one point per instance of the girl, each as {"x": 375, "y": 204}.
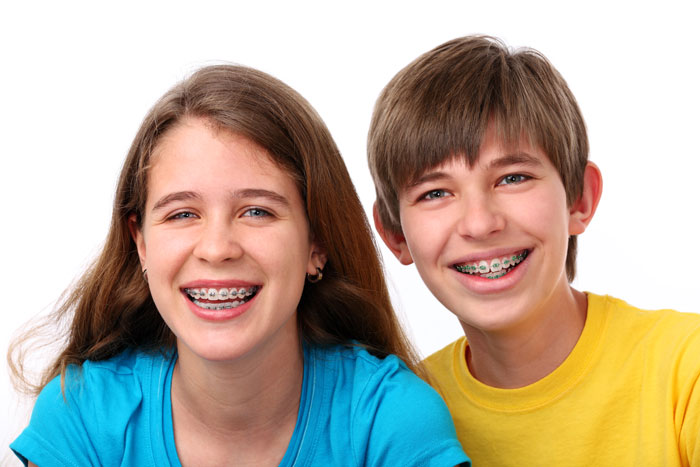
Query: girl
{"x": 238, "y": 312}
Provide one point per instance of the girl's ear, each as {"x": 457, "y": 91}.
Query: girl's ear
{"x": 582, "y": 211}
{"x": 137, "y": 236}
{"x": 395, "y": 241}
{"x": 317, "y": 259}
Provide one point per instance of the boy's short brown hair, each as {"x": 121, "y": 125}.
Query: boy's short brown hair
{"x": 439, "y": 106}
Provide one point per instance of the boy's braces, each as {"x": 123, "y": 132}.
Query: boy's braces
{"x": 495, "y": 265}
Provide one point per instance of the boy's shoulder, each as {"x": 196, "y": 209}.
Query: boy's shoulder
{"x": 616, "y": 313}
{"x": 668, "y": 338}
{"x": 442, "y": 366}
{"x": 612, "y": 325}
{"x": 632, "y": 372}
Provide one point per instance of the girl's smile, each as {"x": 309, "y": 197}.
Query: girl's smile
{"x": 226, "y": 242}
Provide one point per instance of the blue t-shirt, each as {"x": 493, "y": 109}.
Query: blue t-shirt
{"x": 355, "y": 409}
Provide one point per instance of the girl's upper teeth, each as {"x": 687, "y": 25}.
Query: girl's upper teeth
{"x": 222, "y": 293}
{"x": 492, "y": 265}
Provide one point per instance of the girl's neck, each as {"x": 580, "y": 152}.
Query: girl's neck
{"x": 247, "y": 407}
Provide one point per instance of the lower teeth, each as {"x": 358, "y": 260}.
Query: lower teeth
{"x": 495, "y": 275}
{"x": 218, "y": 306}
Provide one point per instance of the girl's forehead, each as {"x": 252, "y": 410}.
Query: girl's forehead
{"x": 193, "y": 154}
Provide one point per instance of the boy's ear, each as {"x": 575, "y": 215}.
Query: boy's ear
{"x": 396, "y": 242}
{"x": 137, "y": 236}
{"x": 581, "y": 212}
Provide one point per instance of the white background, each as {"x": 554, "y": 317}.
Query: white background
{"x": 77, "y": 78}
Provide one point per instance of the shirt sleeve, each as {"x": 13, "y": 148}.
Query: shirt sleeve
{"x": 403, "y": 421}
{"x": 687, "y": 410}
{"x": 56, "y": 435}
{"x": 84, "y": 425}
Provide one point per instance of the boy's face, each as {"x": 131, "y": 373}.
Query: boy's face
{"x": 490, "y": 241}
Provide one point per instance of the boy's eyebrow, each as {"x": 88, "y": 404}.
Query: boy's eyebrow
{"x": 517, "y": 158}
{"x": 240, "y": 194}
{"x": 427, "y": 177}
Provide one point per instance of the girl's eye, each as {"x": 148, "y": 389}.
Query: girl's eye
{"x": 513, "y": 179}
{"x": 182, "y": 215}
{"x": 256, "y": 212}
{"x": 435, "y": 194}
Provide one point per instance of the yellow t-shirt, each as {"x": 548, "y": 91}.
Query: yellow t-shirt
{"x": 627, "y": 395}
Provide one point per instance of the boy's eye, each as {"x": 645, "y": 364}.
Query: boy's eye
{"x": 513, "y": 179}
{"x": 256, "y": 212}
{"x": 435, "y": 194}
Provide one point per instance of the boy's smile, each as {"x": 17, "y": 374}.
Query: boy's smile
{"x": 490, "y": 241}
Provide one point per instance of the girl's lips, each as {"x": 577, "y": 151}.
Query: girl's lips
{"x": 229, "y": 295}
{"x": 216, "y": 314}
{"x": 216, "y": 284}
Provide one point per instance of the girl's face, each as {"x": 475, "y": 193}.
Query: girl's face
{"x": 226, "y": 243}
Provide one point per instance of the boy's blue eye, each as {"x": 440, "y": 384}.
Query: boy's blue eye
{"x": 435, "y": 194}
{"x": 256, "y": 212}
{"x": 513, "y": 179}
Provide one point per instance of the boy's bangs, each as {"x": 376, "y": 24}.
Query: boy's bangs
{"x": 461, "y": 133}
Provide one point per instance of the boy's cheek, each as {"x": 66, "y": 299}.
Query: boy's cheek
{"x": 421, "y": 243}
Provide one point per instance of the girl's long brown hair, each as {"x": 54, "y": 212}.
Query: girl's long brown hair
{"x": 110, "y": 308}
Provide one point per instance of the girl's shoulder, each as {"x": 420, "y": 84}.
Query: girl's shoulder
{"x": 377, "y": 404}
{"x": 95, "y": 409}
{"x": 356, "y": 365}
{"x": 124, "y": 372}
{"x": 385, "y": 380}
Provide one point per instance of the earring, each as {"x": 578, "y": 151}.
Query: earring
{"x": 313, "y": 278}
{"x": 145, "y": 275}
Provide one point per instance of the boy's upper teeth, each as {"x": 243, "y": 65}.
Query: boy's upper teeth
{"x": 221, "y": 293}
{"x": 492, "y": 265}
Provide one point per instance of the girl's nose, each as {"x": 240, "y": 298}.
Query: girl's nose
{"x": 217, "y": 242}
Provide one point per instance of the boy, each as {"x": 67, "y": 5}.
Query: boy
{"x": 480, "y": 160}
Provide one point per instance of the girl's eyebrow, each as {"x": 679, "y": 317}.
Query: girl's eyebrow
{"x": 261, "y": 193}
{"x": 174, "y": 197}
{"x": 239, "y": 194}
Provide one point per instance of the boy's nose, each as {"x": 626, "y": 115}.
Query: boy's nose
{"x": 217, "y": 242}
{"x": 479, "y": 218}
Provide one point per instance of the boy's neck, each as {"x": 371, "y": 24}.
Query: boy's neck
{"x": 516, "y": 358}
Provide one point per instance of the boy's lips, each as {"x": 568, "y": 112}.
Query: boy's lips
{"x": 492, "y": 265}
{"x": 491, "y": 255}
